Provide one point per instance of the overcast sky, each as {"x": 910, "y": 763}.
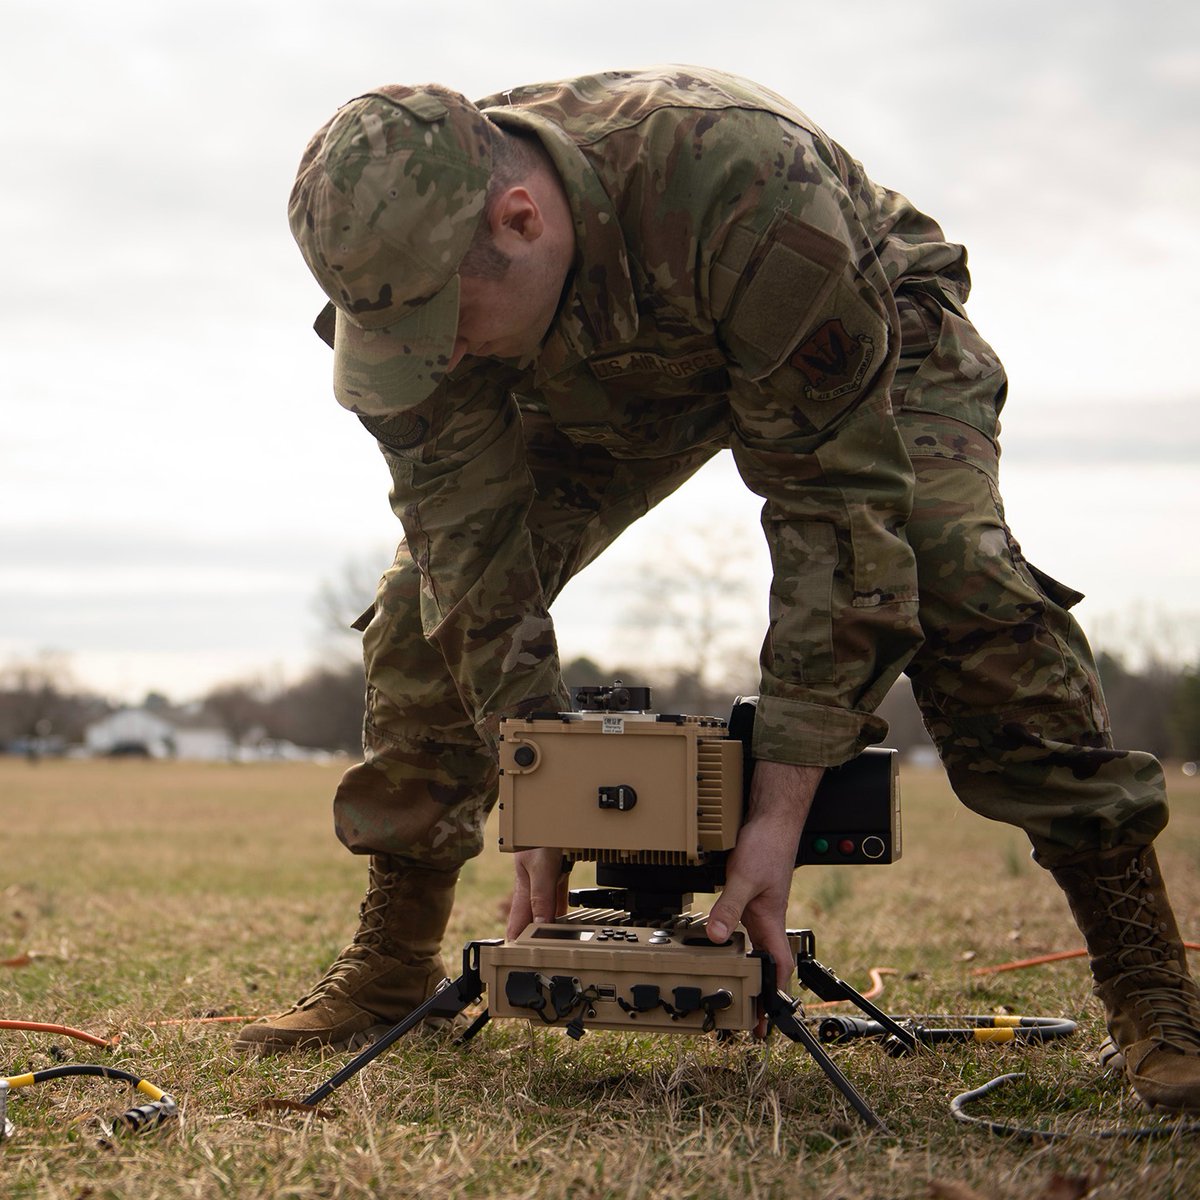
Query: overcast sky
{"x": 177, "y": 479}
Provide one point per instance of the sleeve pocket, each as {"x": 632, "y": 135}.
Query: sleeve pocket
{"x": 805, "y": 555}
{"x": 805, "y": 317}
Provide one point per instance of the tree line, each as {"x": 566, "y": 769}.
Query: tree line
{"x": 1155, "y": 707}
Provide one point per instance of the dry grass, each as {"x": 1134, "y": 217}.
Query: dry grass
{"x": 151, "y": 893}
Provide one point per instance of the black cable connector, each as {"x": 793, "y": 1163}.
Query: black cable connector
{"x": 159, "y": 1110}
{"x": 146, "y": 1116}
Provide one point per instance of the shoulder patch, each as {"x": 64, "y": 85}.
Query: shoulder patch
{"x": 832, "y": 360}
{"x": 785, "y": 287}
{"x": 808, "y": 328}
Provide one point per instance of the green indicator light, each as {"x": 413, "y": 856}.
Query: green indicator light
{"x": 820, "y": 845}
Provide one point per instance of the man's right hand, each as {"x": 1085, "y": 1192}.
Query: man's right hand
{"x": 539, "y": 889}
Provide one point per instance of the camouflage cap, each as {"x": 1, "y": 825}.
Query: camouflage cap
{"x": 387, "y": 198}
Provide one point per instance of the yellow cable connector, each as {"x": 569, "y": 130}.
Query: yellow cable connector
{"x": 995, "y": 1035}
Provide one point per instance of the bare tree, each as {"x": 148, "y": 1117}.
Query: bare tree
{"x": 240, "y": 707}
{"x": 40, "y": 701}
{"x": 696, "y": 612}
{"x": 341, "y": 601}
{"x": 324, "y": 709}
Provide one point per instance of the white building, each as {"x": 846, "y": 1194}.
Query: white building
{"x": 140, "y": 731}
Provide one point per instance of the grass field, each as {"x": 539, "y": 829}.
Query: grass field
{"x": 151, "y": 897}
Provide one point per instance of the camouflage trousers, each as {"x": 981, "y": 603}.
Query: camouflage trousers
{"x": 1005, "y": 679}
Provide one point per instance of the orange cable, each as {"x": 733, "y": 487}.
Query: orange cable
{"x": 66, "y": 1030}
{"x": 198, "y": 1020}
{"x": 877, "y": 974}
{"x": 1058, "y": 956}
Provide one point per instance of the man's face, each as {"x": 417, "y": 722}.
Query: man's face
{"x": 508, "y": 317}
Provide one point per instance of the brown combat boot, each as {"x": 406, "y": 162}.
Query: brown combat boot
{"x": 392, "y": 965}
{"x": 1140, "y": 970}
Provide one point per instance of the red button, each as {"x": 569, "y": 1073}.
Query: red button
{"x": 846, "y": 846}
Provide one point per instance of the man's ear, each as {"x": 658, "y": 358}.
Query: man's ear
{"x": 517, "y": 212}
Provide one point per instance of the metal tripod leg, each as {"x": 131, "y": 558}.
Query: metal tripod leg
{"x": 448, "y": 1001}
{"x": 822, "y": 981}
{"x": 780, "y": 1009}
{"x": 475, "y": 1026}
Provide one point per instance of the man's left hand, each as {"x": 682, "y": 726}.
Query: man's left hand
{"x": 758, "y": 876}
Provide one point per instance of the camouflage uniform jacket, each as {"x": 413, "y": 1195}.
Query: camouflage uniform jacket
{"x": 733, "y": 286}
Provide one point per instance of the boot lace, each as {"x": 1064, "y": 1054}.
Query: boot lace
{"x": 368, "y": 939}
{"x": 1167, "y": 998}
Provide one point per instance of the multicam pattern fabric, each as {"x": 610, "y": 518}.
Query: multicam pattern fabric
{"x": 1005, "y": 679}
{"x": 739, "y": 283}
{"x": 387, "y": 198}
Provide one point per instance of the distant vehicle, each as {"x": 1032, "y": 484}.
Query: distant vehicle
{"x": 128, "y": 750}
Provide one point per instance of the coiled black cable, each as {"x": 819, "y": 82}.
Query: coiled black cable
{"x": 1024, "y": 1134}
{"x": 160, "y": 1108}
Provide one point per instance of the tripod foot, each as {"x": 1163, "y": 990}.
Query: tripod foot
{"x": 781, "y": 1012}
{"x": 448, "y": 1001}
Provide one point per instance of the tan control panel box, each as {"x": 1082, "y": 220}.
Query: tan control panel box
{"x": 623, "y": 977}
{"x": 615, "y": 786}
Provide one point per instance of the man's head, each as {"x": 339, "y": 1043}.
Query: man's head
{"x": 434, "y": 234}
